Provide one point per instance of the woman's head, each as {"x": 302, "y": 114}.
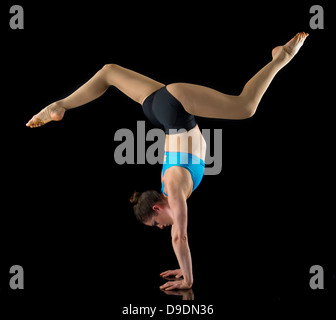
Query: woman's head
{"x": 152, "y": 209}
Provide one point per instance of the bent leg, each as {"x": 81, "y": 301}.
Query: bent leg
{"x": 205, "y": 102}
{"x": 133, "y": 84}
{"x": 209, "y": 103}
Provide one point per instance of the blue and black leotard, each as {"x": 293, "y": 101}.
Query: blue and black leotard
{"x": 164, "y": 111}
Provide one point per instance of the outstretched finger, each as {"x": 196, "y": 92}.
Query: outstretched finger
{"x": 173, "y": 286}
{"x": 167, "y": 273}
{"x": 168, "y": 285}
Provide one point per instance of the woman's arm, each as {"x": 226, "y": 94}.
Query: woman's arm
{"x": 183, "y": 255}
{"x": 177, "y": 203}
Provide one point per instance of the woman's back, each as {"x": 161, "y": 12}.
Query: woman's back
{"x": 191, "y": 141}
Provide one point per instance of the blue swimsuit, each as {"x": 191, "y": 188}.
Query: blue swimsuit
{"x": 163, "y": 110}
{"x": 193, "y": 164}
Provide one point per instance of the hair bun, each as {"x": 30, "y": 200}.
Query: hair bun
{"x": 135, "y": 197}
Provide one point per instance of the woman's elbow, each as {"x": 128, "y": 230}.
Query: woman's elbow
{"x": 180, "y": 238}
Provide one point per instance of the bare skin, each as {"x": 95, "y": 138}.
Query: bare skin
{"x": 197, "y": 100}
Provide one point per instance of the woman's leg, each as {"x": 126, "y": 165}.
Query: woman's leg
{"x": 205, "y": 102}
{"x": 134, "y": 85}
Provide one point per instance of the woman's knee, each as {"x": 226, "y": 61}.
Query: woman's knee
{"x": 110, "y": 66}
{"x": 109, "y": 72}
{"x": 246, "y": 114}
{"x": 246, "y": 108}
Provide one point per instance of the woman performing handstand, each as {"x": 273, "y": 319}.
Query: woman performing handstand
{"x": 174, "y": 107}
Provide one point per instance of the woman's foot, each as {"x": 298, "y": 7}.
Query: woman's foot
{"x": 53, "y": 112}
{"x": 286, "y": 53}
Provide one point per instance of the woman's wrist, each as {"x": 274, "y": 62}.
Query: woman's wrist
{"x": 188, "y": 280}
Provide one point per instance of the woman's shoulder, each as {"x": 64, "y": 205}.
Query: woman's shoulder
{"x": 178, "y": 179}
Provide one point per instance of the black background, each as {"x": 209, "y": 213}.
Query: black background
{"x": 254, "y": 230}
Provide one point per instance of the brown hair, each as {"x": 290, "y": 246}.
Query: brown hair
{"x": 143, "y": 204}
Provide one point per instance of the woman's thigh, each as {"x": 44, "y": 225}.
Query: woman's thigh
{"x": 206, "y": 102}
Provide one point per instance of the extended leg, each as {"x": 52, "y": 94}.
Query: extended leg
{"x": 134, "y": 85}
{"x": 205, "y": 102}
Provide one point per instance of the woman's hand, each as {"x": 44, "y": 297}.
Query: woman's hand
{"x": 172, "y": 273}
{"x": 175, "y": 285}
{"x": 185, "y": 294}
